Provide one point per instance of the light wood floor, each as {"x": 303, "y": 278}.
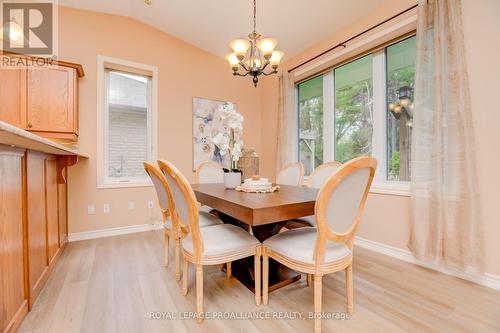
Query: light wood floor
{"x": 112, "y": 284}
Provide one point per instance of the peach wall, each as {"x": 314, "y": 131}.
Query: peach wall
{"x": 184, "y": 71}
{"x": 387, "y": 217}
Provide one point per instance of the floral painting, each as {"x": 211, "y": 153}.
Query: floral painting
{"x": 210, "y": 130}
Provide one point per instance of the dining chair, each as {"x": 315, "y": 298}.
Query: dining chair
{"x": 208, "y": 172}
{"x": 170, "y": 228}
{"x": 292, "y": 174}
{"x": 207, "y": 246}
{"x": 329, "y": 247}
{"x": 316, "y": 179}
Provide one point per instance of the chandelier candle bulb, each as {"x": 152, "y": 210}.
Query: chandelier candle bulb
{"x": 233, "y": 61}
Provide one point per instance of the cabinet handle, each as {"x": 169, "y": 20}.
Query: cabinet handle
{"x": 30, "y": 125}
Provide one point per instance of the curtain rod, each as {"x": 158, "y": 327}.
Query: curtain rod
{"x": 353, "y": 37}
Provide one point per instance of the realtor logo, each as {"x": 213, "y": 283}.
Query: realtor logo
{"x": 28, "y": 27}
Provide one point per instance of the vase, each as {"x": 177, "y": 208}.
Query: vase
{"x": 232, "y": 179}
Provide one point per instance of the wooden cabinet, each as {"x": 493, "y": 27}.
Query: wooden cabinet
{"x": 33, "y": 227}
{"x": 42, "y": 99}
{"x": 45, "y": 238}
{"x": 52, "y": 107}
{"x": 13, "y": 295}
{"x": 13, "y": 96}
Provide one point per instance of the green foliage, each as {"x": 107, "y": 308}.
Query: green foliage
{"x": 394, "y": 163}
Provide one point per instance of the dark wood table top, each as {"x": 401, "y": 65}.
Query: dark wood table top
{"x": 289, "y": 202}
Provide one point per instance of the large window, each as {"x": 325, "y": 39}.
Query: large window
{"x": 126, "y": 125}
{"x": 363, "y": 107}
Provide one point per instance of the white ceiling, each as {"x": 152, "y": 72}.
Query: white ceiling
{"x": 211, "y": 24}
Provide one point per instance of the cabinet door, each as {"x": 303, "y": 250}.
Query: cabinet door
{"x": 51, "y": 207}
{"x": 37, "y": 227}
{"x": 51, "y": 99}
{"x": 13, "y": 96}
{"x": 13, "y": 297}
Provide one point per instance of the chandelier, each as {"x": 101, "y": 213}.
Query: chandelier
{"x": 253, "y": 55}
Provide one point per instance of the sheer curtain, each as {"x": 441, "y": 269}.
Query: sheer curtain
{"x": 446, "y": 218}
{"x": 287, "y": 122}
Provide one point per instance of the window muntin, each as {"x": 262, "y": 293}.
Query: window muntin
{"x": 127, "y": 127}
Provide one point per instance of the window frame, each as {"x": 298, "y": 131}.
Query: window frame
{"x": 104, "y": 64}
{"x": 379, "y": 138}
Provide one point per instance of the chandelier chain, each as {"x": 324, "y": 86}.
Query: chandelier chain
{"x": 254, "y": 15}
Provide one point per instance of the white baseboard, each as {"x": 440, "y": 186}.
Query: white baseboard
{"x": 78, "y": 236}
{"x": 487, "y": 280}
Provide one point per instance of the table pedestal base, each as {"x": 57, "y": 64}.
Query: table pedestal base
{"x": 243, "y": 269}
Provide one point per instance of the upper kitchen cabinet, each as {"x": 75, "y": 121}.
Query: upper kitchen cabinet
{"x": 42, "y": 99}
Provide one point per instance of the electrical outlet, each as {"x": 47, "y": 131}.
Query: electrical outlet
{"x": 151, "y": 204}
{"x": 91, "y": 209}
{"x": 107, "y": 208}
{"x": 131, "y": 205}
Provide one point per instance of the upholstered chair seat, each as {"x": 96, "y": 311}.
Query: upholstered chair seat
{"x": 224, "y": 239}
{"x": 207, "y": 219}
{"x": 299, "y": 244}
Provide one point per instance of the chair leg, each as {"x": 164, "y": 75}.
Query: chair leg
{"x": 257, "y": 276}
{"x": 349, "y": 287}
{"x": 166, "y": 240}
{"x": 265, "y": 277}
{"x": 177, "y": 259}
{"x": 199, "y": 293}
{"x": 185, "y": 275}
{"x": 308, "y": 279}
{"x": 229, "y": 271}
{"x": 317, "y": 303}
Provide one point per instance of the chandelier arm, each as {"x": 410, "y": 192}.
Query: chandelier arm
{"x": 239, "y": 74}
{"x": 242, "y": 64}
{"x": 270, "y": 73}
{"x": 265, "y": 65}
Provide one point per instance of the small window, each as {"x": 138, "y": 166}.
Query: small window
{"x": 126, "y": 124}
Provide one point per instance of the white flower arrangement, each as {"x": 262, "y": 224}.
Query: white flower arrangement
{"x": 229, "y": 140}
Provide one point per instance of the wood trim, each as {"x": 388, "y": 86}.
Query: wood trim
{"x": 62, "y": 163}
{"x": 77, "y": 67}
{"x": 16, "y": 321}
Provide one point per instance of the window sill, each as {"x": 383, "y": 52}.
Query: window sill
{"x": 123, "y": 185}
{"x": 392, "y": 188}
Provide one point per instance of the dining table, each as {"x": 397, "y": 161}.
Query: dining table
{"x": 263, "y": 215}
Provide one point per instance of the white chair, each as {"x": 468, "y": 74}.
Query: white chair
{"x": 329, "y": 247}
{"x": 206, "y": 246}
{"x": 317, "y": 179}
{"x": 209, "y": 172}
{"x": 292, "y": 174}
{"x": 170, "y": 228}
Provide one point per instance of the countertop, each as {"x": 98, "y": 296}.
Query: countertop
{"x": 16, "y": 137}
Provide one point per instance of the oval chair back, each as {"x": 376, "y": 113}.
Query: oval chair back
{"x": 185, "y": 203}
{"x": 161, "y": 187}
{"x": 318, "y": 177}
{"x": 292, "y": 174}
{"x": 209, "y": 172}
{"x": 341, "y": 202}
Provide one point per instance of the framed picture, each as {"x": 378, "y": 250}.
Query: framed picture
{"x": 205, "y": 127}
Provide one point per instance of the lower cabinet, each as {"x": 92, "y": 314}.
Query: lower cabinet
{"x": 13, "y": 278}
{"x": 33, "y": 228}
